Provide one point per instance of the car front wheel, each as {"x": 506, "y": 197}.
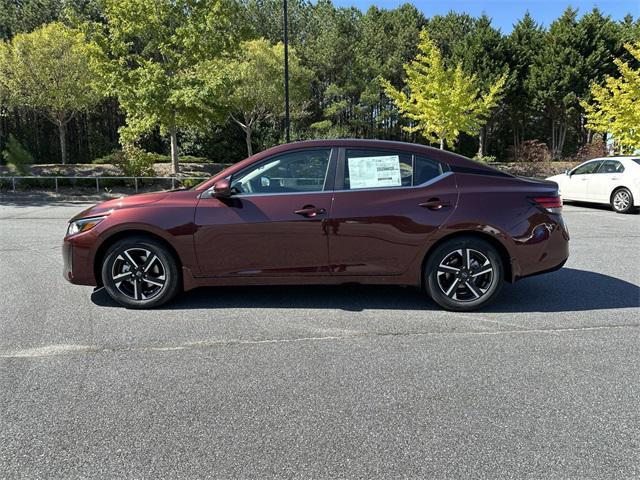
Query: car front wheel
{"x": 464, "y": 274}
{"x": 140, "y": 273}
{"x": 622, "y": 200}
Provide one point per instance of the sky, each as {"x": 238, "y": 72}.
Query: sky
{"x": 506, "y": 12}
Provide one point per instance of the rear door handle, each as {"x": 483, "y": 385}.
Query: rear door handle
{"x": 310, "y": 211}
{"x": 434, "y": 204}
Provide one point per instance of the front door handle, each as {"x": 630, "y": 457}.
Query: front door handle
{"x": 310, "y": 211}
{"x": 434, "y": 204}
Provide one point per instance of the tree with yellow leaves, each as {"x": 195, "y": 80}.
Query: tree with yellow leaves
{"x": 615, "y": 107}
{"x": 441, "y": 102}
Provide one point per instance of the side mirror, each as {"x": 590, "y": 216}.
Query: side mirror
{"x": 567, "y": 172}
{"x": 222, "y": 188}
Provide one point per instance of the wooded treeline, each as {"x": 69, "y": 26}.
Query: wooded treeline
{"x": 344, "y": 53}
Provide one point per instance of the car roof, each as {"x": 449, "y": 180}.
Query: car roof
{"x": 437, "y": 154}
{"x": 618, "y": 157}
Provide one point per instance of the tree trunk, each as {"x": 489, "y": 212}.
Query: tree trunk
{"x": 441, "y": 143}
{"x": 558, "y": 135}
{"x": 481, "y": 137}
{"x": 62, "y": 133}
{"x": 553, "y": 138}
{"x": 247, "y": 131}
{"x": 562, "y": 133}
{"x": 175, "y": 166}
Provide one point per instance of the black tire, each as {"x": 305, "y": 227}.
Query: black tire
{"x": 148, "y": 273}
{"x": 464, "y": 274}
{"x": 622, "y": 200}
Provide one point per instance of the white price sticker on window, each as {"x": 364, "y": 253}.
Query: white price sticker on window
{"x": 374, "y": 172}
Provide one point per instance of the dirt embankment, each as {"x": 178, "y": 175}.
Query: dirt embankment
{"x": 537, "y": 170}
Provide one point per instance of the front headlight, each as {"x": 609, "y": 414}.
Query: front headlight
{"x": 84, "y": 224}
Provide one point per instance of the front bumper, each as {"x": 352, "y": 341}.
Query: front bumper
{"x": 77, "y": 259}
{"x": 67, "y": 261}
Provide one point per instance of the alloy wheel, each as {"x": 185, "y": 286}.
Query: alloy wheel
{"x": 465, "y": 275}
{"x": 621, "y": 200}
{"x": 138, "y": 273}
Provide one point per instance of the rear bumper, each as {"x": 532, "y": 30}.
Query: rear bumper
{"x": 549, "y": 270}
{"x": 544, "y": 250}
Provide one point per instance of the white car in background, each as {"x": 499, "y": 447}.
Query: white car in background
{"x": 610, "y": 180}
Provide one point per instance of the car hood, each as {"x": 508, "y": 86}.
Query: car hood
{"x": 119, "y": 203}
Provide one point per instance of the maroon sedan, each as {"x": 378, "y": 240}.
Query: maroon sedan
{"x": 326, "y": 212}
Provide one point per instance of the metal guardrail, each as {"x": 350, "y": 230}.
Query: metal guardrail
{"x": 55, "y": 178}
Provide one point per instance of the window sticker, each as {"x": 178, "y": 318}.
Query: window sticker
{"x": 374, "y": 172}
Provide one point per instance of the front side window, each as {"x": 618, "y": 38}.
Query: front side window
{"x": 590, "y": 167}
{"x": 301, "y": 171}
{"x": 611, "y": 166}
{"x": 385, "y": 169}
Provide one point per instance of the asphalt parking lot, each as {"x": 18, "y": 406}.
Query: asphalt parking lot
{"x": 318, "y": 382}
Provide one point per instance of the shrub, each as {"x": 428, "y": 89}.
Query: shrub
{"x": 597, "y": 148}
{"x": 485, "y": 158}
{"x": 531, "y": 151}
{"x": 17, "y": 157}
{"x": 194, "y": 159}
{"x": 189, "y": 182}
{"x": 116, "y": 157}
{"x": 135, "y": 162}
{"x": 160, "y": 158}
{"x": 110, "y": 158}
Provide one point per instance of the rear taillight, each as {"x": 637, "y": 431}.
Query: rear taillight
{"x": 550, "y": 204}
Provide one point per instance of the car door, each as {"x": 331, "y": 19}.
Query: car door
{"x": 386, "y": 205}
{"x": 274, "y": 222}
{"x": 576, "y": 186}
{"x": 604, "y": 181}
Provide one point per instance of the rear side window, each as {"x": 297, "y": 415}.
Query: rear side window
{"x": 637, "y": 160}
{"x": 425, "y": 169}
{"x": 611, "y": 166}
{"x": 388, "y": 169}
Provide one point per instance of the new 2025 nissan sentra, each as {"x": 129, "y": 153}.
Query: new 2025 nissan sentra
{"x": 326, "y": 212}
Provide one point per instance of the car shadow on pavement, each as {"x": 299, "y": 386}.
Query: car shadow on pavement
{"x": 594, "y": 206}
{"x": 563, "y": 291}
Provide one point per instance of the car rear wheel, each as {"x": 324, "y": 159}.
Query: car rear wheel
{"x": 140, "y": 273}
{"x": 464, "y": 274}
{"x": 622, "y": 200}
